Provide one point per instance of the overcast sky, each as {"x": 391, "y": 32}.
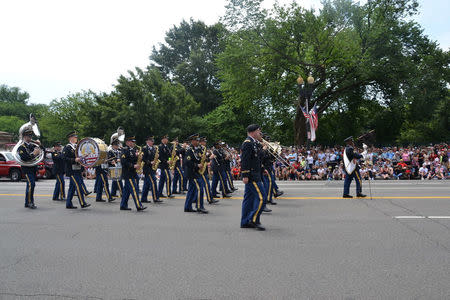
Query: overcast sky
{"x": 51, "y": 48}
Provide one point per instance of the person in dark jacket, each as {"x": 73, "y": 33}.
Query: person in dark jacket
{"x": 27, "y": 152}
{"x": 59, "y": 193}
{"x": 351, "y": 157}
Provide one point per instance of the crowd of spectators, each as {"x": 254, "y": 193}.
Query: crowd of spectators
{"x": 385, "y": 163}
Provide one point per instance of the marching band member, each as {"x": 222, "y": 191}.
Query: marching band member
{"x": 218, "y": 171}
{"x": 101, "y": 173}
{"x": 73, "y": 170}
{"x": 195, "y": 192}
{"x": 164, "y": 180}
{"x": 114, "y": 161}
{"x": 254, "y": 195}
{"x": 27, "y": 151}
{"x": 128, "y": 160}
{"x": 58, "y": 169}
{"x": 267, "y": 162}
{"x": 351, "y": 169}
{"x": 178, "y": 176}
{"x": 205, "y": 176}
{"x": 227, "y": 168}
{"x": 149, "y": 171}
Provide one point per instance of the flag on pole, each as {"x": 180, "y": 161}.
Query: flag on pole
{"x": 305, "y": 113}
{"x": 314, "y": 120}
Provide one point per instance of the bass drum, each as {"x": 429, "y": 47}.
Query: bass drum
{"x": 92, "y": 152}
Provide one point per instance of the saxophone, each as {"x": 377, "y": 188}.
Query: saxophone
{"x": 203, "y": 161}
{"x": 156, "y": 160}
{"x": 139, "y": 160}
{"x": 174, "y": 157}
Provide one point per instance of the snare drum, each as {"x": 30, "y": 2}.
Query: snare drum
{"x": 92, "y": 152}
{"x": 115, "y": 173}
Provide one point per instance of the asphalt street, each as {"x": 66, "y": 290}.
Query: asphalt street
{"x": 317, "y": 246}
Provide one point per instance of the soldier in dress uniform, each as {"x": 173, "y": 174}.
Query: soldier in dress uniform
{"x": 195, "y": 192}
{"x": 351, "y": 157}
{"x": 205, "y": 176}
{"x": 217, "y": 164}
{"x": 254, "y": 195}
{"x": 114, "y": 161}
{"x": 28, "y": 151}
{"x": 183, "y": 165}
{"x": 128, "y": 159}
{"x": 165, "y": 152}
{"x": 178, "y": 174}
{"x": 73, "y": 171}
{"x": 101, "y": 173}
{"x": 149, "y": 173}
{"x": 58, "y": 169}
{"x": 227, "y": 167}
{"x": 268, "y": 174}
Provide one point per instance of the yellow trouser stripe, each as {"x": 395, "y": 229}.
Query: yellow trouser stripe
{"x": 61, "y": 189}
{"x": 29, "y": 189}
{"x": 105, "y": 187}
{"x": 167, "y": 183}
{"x": 359, "y": 179}
{"x": 270, "y": 187}
{"x": 84, "y": 188}
{"x": 181, "y": 177}
{"x": 136, "y": 199}
{"x": 229, "y": 179}
{"x": 260, "y": 201}
{"x": 207, "y": 188}
{"x": 78, "y": 190}
{"x": 221, "y": 182}
{"x": 198, "y": 193}
{"x": 153, "y": 187}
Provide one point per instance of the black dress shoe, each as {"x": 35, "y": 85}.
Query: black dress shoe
{"x": 265, "y": 209}
{"x": 216, "y": 196}
{"x": 32, "y": 206}
{"x": 272, "y": 203}
{"x": 175, "y": 193}
{"x": 202, "y": 211}
{"x": 158, "y": 201}
{"x": 248, "y": 225}
{"x": 278, "y": 194}
{"x": 111, "y": 200}
{"x": 71, "y": 207}
{"x": 162, "y": 196}
{"x": 55, "y": 199}
{"x": 141, "y": 208}
{"x": 171, "y": 196}
{"x": 259, "y": 227}
{"x": 226, "y": 196}
{"x": 190, "y": 210}
{"x": 101, "y": 200}
{"x": 347, "y": 196}
{"x": 125, "y": 208}
{"x": 85, "y": 206}
{"x": 234, "y": 189}
{"x": 145, "y": 201}
{"x": 213, "y": 201}
{"x": 88, "y": 193}
{"x": 361, "y": 195}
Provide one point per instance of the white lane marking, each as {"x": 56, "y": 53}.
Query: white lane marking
{"x": 438, "y": 217}
{"x": 409, "y": 217}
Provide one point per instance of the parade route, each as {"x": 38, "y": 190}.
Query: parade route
{"x": 317, "y": 246}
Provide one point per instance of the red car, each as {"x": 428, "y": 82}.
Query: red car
{"x": 10, "y": 168}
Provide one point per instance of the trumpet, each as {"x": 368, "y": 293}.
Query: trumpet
{"x": 275, "y": 149}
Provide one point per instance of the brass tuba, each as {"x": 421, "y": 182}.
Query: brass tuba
{"x": 31, "y": 125}
{"x": 119, "y": 135}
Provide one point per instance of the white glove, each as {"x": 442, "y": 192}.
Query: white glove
{"x": 364, "y": 146}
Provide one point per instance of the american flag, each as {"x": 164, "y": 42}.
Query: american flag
{"x": 314, "y": 120}
{"x": 305, "y": 113}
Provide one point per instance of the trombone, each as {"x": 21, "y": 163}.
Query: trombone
{"x": 275, "y": 149}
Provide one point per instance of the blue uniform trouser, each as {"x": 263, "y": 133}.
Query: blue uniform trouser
{"x": 348, "y": 179}
{"x": 206, "y": 187}
{"x": 59, "y": 191}
{"x": 185, "y": 181}
{"x": 103, "y": 185}
{"x": 268, "y": 186}
{"x": 149, "y": 185}
{"x": 83, "y": 186}
{"x": 194, "y": 194}
{"x": 229, "y": 179}
{"x": 116, "y": 185}
{"x": 96, "y": 185}
{"x": 29, "y": 193}
{"x": 253, "y": 203}
{"x": 274, "y": 183}
{"x": 218, "y": 176}
{"x": 76, "y": 184}
{"x": 130, "y": 189}
{"x": 164, "y": 180}
{"x": 178, "y": 177}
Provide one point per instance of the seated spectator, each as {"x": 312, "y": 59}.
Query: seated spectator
{"x": 423, "y": 171}
{"x": 432, "y": 173}
{"x": 321, "y": 173}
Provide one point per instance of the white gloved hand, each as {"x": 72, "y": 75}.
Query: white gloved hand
{"x": 364, "y": 146}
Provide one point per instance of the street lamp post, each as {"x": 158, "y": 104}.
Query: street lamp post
{"x": 305, "y": 90}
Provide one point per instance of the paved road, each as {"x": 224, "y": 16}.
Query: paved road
{"x": 317, "y": 246}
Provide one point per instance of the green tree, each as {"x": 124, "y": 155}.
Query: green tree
{"x": 189, "y": 57}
